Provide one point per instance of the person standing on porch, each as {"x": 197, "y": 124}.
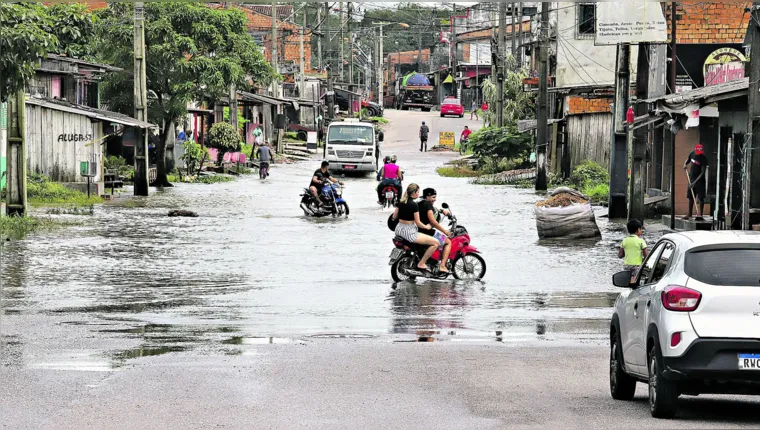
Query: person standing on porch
{"x": 697, "y": 186}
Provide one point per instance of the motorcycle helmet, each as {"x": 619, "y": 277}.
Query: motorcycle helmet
{"x": 387, "y": 159}
{"x": 393, "y": 158}
{"x": 391, "y": 223}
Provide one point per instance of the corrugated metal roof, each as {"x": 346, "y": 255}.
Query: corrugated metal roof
{"x": 98, "y": 114}
{"x": 524, "y": 125}
{"x": 697, "y": 94}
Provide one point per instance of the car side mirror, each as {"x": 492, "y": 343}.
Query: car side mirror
{"x": 380, "y": 136}
{"x": 622, "y": 279}
{"x": 445, "y": 205}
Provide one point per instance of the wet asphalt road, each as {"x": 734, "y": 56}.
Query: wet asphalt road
{"x": 253, "y": 313}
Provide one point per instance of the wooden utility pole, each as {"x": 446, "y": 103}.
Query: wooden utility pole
{"x": 275, "y": 84}
{"x": 618, "y": 207}
{"x": 141, "y": 103}
{"x": 636, "y": 209}
{"x": 752, "y": 143}
{"x": 542, "y": 118}
{"x": 16, "y": 204}
{"x": 500, "y": 65}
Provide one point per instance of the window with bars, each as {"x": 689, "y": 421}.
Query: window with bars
{"x": 586, "y": 25}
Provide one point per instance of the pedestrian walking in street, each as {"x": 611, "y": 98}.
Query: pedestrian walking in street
{"x": 424, "y": 132}
{"x": 697, "y": 187}
{"x": 633, "y": 249}
{"x": 474, "y": 110}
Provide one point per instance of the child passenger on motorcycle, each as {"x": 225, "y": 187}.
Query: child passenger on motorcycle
{"x": 428, "y": 216}
{"x": 391, "y": 174}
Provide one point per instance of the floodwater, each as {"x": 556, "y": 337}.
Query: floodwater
{"x": 252, "y": 270}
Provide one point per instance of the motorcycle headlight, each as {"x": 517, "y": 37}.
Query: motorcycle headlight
{"x": 339, "y": 191}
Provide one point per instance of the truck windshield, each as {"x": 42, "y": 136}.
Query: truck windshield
{"x": 350, "y": 135}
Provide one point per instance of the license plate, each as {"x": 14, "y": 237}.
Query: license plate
{"x": 396, "y": 253}
{"x": 749, "y": 361}
{"x": 349, "y": 166}
{"x": 389, "y": 194}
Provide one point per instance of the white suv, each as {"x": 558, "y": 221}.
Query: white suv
{"x": 690, "y": 324}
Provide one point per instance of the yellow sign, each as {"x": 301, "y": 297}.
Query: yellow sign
{"x": 724, "y": 65}
{"x": 446, "y": 138}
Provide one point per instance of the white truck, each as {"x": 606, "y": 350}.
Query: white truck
{"x": 352, "y": 146}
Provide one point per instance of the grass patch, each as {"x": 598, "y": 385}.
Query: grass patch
{"x": 206, "y": 179}
{"x": 457, "y": 172}
{"x": 41, "y": 191}
{"x": 379, "y": 120}
{"x": 18, "y": 227}
{"x": 598, "y": 193}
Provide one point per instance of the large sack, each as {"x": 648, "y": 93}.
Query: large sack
{"x": 570, "y": 222}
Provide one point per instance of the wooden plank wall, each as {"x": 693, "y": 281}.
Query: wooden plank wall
{"x": 588, "y": 137}
{"x": 58, "y": 157}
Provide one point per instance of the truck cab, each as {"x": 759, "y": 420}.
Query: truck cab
{"x": 352, "y": 146}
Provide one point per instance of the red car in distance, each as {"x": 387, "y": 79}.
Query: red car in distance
{"x": 452, "y": 106}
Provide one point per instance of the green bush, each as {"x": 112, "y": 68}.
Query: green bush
{"x": 193, "y": 156}
{"x": 224, "y": 138}
{"x": 491, "y": 165}
{"x": 41, "y": 190}
{"x": 588, "y": 174}
{"x": 119, "y": 165}
{"x": 457, "y": 172}
{"x": 503, "y": 142}
{"x": 597, "y": 193}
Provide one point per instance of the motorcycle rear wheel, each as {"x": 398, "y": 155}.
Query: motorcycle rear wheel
{"x": 404, "y": 262}
{"x": 470, "y": 267}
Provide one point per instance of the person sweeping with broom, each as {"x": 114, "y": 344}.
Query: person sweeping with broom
{"x": 697, "y": 177}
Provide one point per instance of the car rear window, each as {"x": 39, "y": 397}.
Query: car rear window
{"x": 451, "y": 102}
{"x": 730, "y": 267}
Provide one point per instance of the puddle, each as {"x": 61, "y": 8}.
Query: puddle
{"x": 238, "y": 340}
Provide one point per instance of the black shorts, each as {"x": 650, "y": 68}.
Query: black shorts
{"x": 700, "y": 189}
{"x": 423, "y": 138}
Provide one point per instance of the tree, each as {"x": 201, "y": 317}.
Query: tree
{"x": 224, "y": 138}
{"x": 193, "y": 52}
{"x": 518, "y": 104}
{"x": 23, "y": 40}
{"x": 74, "y": 26}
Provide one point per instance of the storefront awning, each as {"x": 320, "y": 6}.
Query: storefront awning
{"x": 684, "y": 101}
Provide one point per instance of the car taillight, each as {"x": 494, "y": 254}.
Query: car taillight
{"x": 680, "y": 299}
{"x": 675, "y": 339}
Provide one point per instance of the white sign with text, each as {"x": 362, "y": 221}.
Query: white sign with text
{"x": 630, "y": 22}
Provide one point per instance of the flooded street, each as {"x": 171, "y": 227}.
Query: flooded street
{"x": 251, "y": 302}
{"x": 252, "y": 266}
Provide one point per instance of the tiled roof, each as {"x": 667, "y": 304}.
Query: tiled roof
{"x": 283, "y": 11}
{"x": 408, "y": 57}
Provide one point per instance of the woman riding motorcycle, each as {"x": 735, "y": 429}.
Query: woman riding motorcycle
{"x": 391, "y": 174}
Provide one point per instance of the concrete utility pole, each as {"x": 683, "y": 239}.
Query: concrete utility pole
{"x": 328, "y": 51}
{"x": 636, "y": 209}
{"x": 619, "y": 154}
{"x": 542, "y": 117}
{"x": 342, "y": 43}
{"x": 302, "y": 68}
{"x": 380, "y": 70}
{"x": 514, "y": 32}
{"x": 350, "y": 60}
{"x": 319, "y": 38}
{"x": 519, "y": 35}
{"x": 16, "y": 204}
{"x": 141, "y": 103}
{"x": 275, "y": 84}
{"x": 751, "y": 160}
{"x": 330, "y": 94}
{"x": 454, "y": 40}
{"x": 671, "y": 138}
{"x": 500, "y": 65}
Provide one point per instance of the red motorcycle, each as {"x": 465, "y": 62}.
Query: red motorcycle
{"x": 464, "y": 261}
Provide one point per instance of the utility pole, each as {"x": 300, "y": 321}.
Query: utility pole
{"x": 514, "y": 41}
{"x": 351, "y": 59}
{"x": 380, "y": 70}
{"x": 636, "y": 209}
{"x": 419, "y": 43}
{"x": 330, "y": 94}
{"x": 520, "y": 36}
{"x": 328, "y": 51}
{"x": 454, "y": 40}
{"x": 16, "y": 204}
{"x": 342, "y": 43}
{"x": 753, "y": 142}
{"x": 500, "y": 65}
{"x": 319, "y": 38}
{"x": 619, "y": 154}
{"x": 542, "y": 118}
{"x": 141, "y": 103}
{"x": 671, "y": 138}
{"x": 275, "y": 84}
{"x": 302, "y": 86}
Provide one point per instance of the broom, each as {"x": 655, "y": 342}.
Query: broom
{"x": 694, "y": 197}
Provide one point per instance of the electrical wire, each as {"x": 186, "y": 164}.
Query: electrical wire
{"x": 567, "y": 52}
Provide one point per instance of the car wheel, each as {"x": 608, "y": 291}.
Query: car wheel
{"x": 663, "y": 393}
{"x": 301, "y": 135}
{"x": 442, "y": 115}
{"x": 622, "y": 386}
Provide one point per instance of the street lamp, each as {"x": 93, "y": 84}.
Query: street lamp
{"x": 380, "y": 25}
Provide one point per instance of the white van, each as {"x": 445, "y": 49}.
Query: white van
{"x": 352, "y": 146}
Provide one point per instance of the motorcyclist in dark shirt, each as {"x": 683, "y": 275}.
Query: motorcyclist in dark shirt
{"x": 429, "y": 215}
{"x": 320, "y": 175}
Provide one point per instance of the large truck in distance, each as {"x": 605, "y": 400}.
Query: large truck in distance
{"x": 414, "y": 91}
